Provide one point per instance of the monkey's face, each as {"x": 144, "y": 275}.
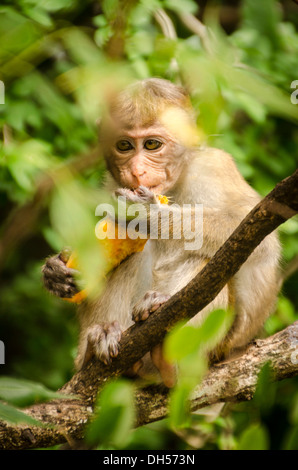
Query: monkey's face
{"x": 147, "y": 156}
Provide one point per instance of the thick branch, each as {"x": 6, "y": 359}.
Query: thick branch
{"x": 234, "y": 380}
{"x": 273, "y": 210}
{"x": 231, "y": 381}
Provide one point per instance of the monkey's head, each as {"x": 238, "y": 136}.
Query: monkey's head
{"x": 147, "y": 135}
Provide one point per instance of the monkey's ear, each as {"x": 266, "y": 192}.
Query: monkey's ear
{"x": 98, "y": 122}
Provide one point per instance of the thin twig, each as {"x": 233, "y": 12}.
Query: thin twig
{"x": 168, "y": 31}
{"x": 198, "y": 28}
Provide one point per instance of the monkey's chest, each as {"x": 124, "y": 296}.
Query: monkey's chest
{"x": 173, "y": 266}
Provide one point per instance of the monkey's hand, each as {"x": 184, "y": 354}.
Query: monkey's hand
{"x": 103, "y": 342}
{"x": 149, "y": 304}
{"x": 141, "y": 195}
{"x": 58, "y": 278}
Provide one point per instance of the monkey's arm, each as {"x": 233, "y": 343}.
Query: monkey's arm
{"x": 209, "y": 227}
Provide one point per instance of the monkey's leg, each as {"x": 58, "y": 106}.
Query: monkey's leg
{"x": 149, "y": 304}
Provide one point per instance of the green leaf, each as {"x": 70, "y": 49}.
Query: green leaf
{"x": 188, "y": 346}
{"x": 291, "y": 441}
{"x": 185, "y": 340}
{"x": 102, "y": 35}
{"x": 72, "y": 213}
{"x": 140, "y": 16}
{"x": 255, "y": 437}
{"x": 25, "y": 392}
{"x": 40, "y": 16}
{"x": 80, "y": 47}
{"x": 182, "y": 6}
{"x": 110, "y": 8}
{"x": 181, "y": 341}
{"x": 12, "y": 415}
{"x": 141, "y": 43}
{"x": 265, "y": 393}
{"x": 55, "y": 5}
{"x": 100, "y": 21}
{"x": 179, "y": 412}
{"x": 264, "y": 17}
{"x": 215, "y": 327}
{"x": 114, "y": 417}
{"x": 252, "y": 107}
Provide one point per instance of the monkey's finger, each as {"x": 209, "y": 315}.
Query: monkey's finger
{"x": 145, "y": 315}
{"x": 55, "y": 267}
{"x": 124, "y": 192}
{"x": 65, "y": 254}
{"x": 95, "y": 338}
{"x": 113, "y": 336}
{"x": 136, "y": 366}
{"x": 104, "y": 340}
{"x": 145, "y": 194}
{"x": 63, "y": 289}
{"x": 155, "y": 307}
{"x": 159, "y": 300}
{"x": 134, "y": 369}
{"x": 140, "y": 315}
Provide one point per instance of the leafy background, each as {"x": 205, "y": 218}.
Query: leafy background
{"x": 60, "y": 60}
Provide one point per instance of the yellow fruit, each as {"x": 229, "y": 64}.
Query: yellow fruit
{"x": 78, "y": 298}
{"x": 119, "y": 248}
{"x": 162, "y": 199}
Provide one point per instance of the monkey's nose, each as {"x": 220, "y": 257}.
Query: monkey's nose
{"x": 138, "y": 175}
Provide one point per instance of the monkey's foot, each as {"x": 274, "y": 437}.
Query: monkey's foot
{"x": 141, "y": 195}
{"x": 103, "y": 341}
{"x": 149, "y": 304}
{"x": 166, "y": 369}
{"x": 58, "y": 278}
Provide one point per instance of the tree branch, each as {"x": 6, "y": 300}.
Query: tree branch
{"x": 70, "y": 416}
{"x": 198, "y": 28}
{"x": 231, "y": 381}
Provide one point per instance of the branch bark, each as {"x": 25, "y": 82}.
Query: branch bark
{"x": 238, "y": 379}
{"x": 231, "y": 381}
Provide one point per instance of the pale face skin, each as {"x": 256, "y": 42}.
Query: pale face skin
{"x": 146, "y": 157}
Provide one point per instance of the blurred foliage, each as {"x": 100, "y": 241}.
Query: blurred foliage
{"x": 59, "y": 61}
{"x": 21, "y": 393}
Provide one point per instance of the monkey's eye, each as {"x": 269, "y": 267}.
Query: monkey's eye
{"x": 124, "y": 145}
{"x": 152, "y": 144}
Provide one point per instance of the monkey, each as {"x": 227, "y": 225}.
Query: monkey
{"x": 149, "y": 141}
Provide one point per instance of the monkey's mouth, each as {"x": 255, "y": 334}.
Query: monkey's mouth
{"x": 155, "y": 189}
